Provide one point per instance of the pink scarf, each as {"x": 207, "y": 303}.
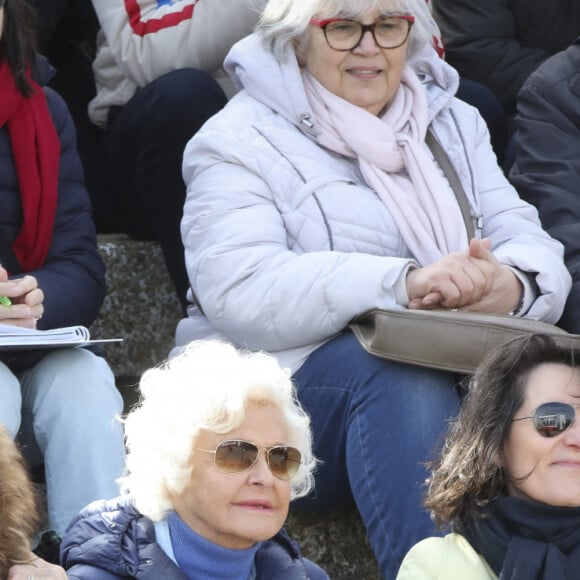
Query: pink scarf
{"x": 387, "y": 149}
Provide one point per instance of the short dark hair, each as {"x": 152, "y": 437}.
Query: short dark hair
{"x": 468, "y": 472}
{"x": 18, "y": 44}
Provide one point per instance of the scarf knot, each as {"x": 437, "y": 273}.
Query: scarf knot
{"x": 394, "y": 161}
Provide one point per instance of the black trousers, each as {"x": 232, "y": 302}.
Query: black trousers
{"x": 67, "y": 31}
{"x": 491, "y": 110}
{"x": 141, "y": 190}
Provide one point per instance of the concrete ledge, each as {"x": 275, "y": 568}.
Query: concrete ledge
{"x": 141, "y": 307}
{"x": 336, "y": 541}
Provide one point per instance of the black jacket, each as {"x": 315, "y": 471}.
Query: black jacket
{"x": 73, "y": 275}
{"x": 501, "y": 42}
{"x": 547, "y": 168}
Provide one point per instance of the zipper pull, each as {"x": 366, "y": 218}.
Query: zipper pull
{"x": 305, "y": 120}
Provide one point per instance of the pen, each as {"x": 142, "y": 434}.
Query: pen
{"x": 5, "y": 301}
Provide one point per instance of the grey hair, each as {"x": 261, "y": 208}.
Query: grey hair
{"x": 284, "y": 22}
{"x": 204, "y": 388}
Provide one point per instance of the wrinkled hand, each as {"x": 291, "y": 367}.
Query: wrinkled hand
{"x": 471, "y": 280}
{"x": 37, "y": 569}
{"x": 27, "y": 301}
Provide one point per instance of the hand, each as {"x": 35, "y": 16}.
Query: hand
{"x": 37, "y": 569}
{"x": 506, "y": 290}
{"x": 27, "y": 301}
{"x": 455, "y": 281}
{"x": 473, "y": 280}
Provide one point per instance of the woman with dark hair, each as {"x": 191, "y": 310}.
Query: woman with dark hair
{"x": 508, "y": 479}
{"x": 61, "y": 404}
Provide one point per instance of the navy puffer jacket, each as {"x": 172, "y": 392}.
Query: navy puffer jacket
{"x": 112, "y": 540}
{"x": 73, "y": 275}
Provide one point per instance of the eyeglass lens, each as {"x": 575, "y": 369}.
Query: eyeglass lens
{"x": 387, "y": 32}
{"x": 551, "y": 419}
{"x": 234, "y": 456}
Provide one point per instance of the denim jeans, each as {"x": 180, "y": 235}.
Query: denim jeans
{"x": 63, "y": 411}
{"x": 375, "y": 423}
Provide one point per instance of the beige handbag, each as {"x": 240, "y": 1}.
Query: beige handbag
{"x": 445, "y": 339}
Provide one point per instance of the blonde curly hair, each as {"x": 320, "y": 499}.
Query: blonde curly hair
{"x": 18, "y": 509}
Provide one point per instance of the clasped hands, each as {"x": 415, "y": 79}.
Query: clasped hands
{"x": 27, "y": 300}
{"x": 472, "y": 279}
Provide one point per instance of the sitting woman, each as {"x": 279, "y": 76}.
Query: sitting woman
{"x": 508, "y": 480}
{"x": 61, "y": 404}
{"x": 216, "y": 450}
{"x": 313, "y": 197}
{"x": 19, "y": 519}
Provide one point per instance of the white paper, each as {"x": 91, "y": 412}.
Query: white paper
{"x": 15, "y": 337}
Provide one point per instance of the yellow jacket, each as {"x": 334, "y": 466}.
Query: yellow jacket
{"x": 448, "y": 558}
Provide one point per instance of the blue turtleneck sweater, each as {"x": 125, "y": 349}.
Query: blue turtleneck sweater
{"x": 199, "y": 558}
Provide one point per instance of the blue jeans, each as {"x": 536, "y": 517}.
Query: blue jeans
{"x": 375, "y": 422}
{"x": 64, "y": 411}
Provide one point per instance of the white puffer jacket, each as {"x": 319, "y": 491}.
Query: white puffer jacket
{"x": 284, "y": 242}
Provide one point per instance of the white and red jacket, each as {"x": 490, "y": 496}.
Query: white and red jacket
{"x": 141, "y": 40}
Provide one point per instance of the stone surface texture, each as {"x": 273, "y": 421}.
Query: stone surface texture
{"x": 141, "y": 307}
{"x": 337, "y": 542}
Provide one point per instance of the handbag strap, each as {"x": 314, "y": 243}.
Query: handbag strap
{"x": 447, "y": 167}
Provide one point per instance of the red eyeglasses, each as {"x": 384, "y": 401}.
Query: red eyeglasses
{"x": 344, "y": 34}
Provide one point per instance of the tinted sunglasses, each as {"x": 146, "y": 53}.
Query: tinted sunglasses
{"x": 552, "y": 419}
{"x": 235, "y": 456}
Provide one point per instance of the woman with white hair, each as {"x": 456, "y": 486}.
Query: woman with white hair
{"x": 217, "y": 448}
{"x": 313, "y": 197}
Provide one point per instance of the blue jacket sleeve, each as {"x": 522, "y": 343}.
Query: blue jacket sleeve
{"x": 73, "y": 275}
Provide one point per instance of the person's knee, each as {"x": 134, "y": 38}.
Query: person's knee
{"x": 10, "y": 401}
{"x": 82, "y": 382}
{"x": 185, "y": 99}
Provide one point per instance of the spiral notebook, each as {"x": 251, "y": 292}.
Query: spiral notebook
{"x": 16, "y": 338}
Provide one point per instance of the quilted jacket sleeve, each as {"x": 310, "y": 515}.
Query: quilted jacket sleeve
{"x": 252, "y": 287}
{"x": 513, "y": 225}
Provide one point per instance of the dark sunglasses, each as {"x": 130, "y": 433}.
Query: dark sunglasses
{"x": 235, "y": 456}
{"x": 552, "y": 419}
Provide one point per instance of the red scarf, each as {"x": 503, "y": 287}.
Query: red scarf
{"x": 36, "y": 152}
